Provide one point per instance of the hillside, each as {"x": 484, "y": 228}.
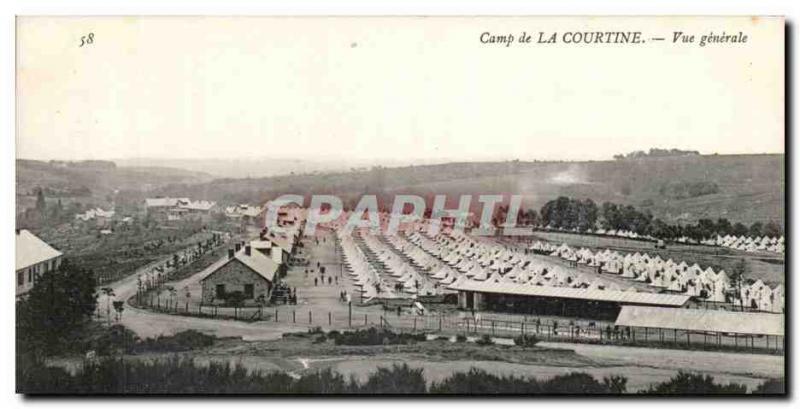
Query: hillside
{"x": 744, "y": 188}
{"x": 90, "y": 182}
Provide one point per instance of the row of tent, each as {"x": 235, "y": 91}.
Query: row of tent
{"x": 451, "y": 259}
{"x": 749, "y": 244}
{"x": 400, "y": 270}
{"x": 362, "y": 272}
{"x": 672, "y": 276}
{"x": 603, "y": 232}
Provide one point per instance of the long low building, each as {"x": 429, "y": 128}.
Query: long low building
{"x": 702, "y": 320}
{"x": 532, "y": 299}
{"x": 748, "y": 330}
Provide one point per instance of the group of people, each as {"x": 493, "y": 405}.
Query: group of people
{"x": 285, "y": 293}
{"x": 330, "y": 280}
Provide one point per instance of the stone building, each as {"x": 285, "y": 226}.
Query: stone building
{"x": 247, "y": 271}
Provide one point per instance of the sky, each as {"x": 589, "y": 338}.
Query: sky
{"x": 389, "y": 88}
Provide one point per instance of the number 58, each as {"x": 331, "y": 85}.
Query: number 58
{"x": 87, "y": 39}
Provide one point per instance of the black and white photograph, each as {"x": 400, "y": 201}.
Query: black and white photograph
{"x": 400, "y": 205}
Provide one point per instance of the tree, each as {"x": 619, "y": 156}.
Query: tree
{"x": 739, "y": 230}
{"x": 772, "y": 229}
{"x": 119, "y": 306}
{"x": 108, "y": 292}
{"x": 56, "y": 311}
{"x": 41, "y": 205}
{"x": 737, "y": 279}
{"x": 755, "y": 229}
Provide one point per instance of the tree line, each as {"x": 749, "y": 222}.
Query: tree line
{"x": 569, "y": 214}
{"x": 656, "y": 153}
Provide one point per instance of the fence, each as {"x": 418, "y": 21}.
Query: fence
{"x": 543, "y": 328}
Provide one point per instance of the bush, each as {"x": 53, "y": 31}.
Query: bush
{"x": 113, "y": 340}
{"x": 771, "y": 387}
{"x": 374, "y": 336}
{"x": 181, "y": 375}
{"x": 694, "y": 384}
{"x": 478, "y": 381}
{"x": 575, "y": 382}
{"x": 182, "y": 341}
{"x": 397, "y": 379}
{"x": 461, "y": 338}
{"x": 485, "y": 340}
{"x": 526, "y": 340}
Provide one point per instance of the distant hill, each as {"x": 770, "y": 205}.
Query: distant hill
{"x": 263, "y": 167}
{"x": 744, "y": 188}
{"x": 91, "y": 181}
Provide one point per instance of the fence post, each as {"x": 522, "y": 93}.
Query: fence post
{"x": 415, "y": 324}
{"x": 294, "y": 317}
{"x": 329, "y": 318}
{"x": 349, "y": 314}
{"x": 365, "y": 319}
{"x": 309, "y": 317}
{"x": 440, "y": 322}
{"x": 276, "y": 315}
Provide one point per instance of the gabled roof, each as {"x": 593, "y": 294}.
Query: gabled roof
{"x": 198, "y": 205}
{"x": 32, "y": 250}
{"x": 284, "y": 243}
{"x": 164, "y": 201}
{"x": 702, "y": 320}
{"x": 256, "y": 261}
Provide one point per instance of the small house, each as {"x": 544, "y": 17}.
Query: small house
{"x": 245, "y": 271}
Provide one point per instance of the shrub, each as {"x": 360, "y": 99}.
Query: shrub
{"x": 374, "y": 336}
{"x": 181, "y": 375}
{"x": 526, "y": 340}
{"x": 771, "y": 387}
{"x": 182, "y": 341}
{"x": 616, "y": 383}
{"x": 461, "y": 338}
{"x": 397, "y": 379}
{"x": 478, "y": 381}
{"x": 689, "y": 383}
{"x": 485, "y": 340}
{"x": 575, "y": 382}
{"x": 113, "y": 340}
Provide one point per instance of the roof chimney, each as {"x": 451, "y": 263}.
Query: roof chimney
{"x": 230, "y": 254}
{"x": 247, "y": 250}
